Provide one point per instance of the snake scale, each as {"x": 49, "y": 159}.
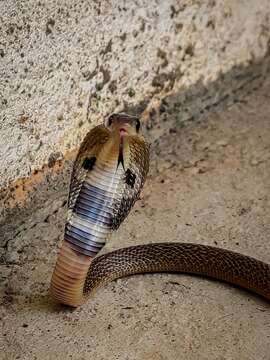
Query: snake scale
{"x": 108, "y": 175}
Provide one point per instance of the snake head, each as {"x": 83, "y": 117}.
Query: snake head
{"x": 123, "y": 124}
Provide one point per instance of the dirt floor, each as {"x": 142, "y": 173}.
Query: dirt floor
{"x": 209, "y": 184}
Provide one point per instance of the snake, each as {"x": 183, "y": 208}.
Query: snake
{"x": 107, "y": 177}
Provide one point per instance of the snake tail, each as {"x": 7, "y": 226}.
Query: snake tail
{"x": 228, "y": 266}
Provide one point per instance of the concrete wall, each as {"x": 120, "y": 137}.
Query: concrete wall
{"x": 64, "y": 65}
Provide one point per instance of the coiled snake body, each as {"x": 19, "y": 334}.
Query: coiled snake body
{"x": 107, "y": 178}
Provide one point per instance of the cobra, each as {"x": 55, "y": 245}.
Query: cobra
{"x": 108, "y": 175}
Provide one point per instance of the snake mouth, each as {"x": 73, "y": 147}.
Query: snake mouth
{"x": 122, "y": 132}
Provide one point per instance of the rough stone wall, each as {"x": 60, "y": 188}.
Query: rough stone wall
{"x": 64, "y": 65}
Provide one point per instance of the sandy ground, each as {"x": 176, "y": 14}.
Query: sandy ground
{"x": 209, "y": 184}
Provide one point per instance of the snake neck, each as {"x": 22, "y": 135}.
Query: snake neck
{"x": 89, "y": 226}
{"x": 108, "y": 175}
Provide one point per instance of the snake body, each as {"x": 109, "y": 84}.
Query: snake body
{"x": 108, "y": 175}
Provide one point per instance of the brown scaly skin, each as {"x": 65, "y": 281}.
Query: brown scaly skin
{"x": 209, "y": 261}
{"x": 77, "y": 275}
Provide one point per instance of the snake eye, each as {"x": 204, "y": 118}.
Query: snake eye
{"x": 110, "y": 119}
{"x": 138, "y": 125}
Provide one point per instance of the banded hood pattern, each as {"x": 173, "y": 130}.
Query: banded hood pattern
{"x": 105, "y": 183}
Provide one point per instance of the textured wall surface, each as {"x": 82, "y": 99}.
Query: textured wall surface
{"x": 66, "y": 64}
